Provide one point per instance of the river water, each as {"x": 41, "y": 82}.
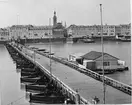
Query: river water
{"x": 87, "y": 87}
{"x": 120, "y": 50}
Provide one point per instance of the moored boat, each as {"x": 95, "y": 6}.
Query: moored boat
{"x": 47, "y": 98}
{"x": 88, "y": 40}
{"x": 29, "y": 73}
{"x": 35, "y": 87}
{"x": 31, "y": 80}
{"x": 69, "y": 40}
{"x": 28, "y": 70}
{"x": 105, "y": 71}
{"x": 125, "y": 39}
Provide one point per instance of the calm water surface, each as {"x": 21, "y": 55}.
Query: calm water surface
{"x": 87, "y": 86}
{"x": 10, "y": 78}
{"x": 121, "y": 50}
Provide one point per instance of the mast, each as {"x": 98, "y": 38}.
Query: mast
{"x": 102, "y": 53}
{"x": 50, "y": 46}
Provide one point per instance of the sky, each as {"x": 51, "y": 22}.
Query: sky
{"x": 78, "y": 12}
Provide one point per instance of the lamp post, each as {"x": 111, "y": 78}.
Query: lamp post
{"x": 102, "y": 53}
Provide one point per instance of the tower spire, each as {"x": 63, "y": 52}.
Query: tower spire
{"x": 54, "y": 13}
{"x": 54, "y": 19}
{"x": 65, "y": 24}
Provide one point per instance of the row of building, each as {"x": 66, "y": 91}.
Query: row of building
{"x": 58, "y": 30}
{"x": 95, "y": 30}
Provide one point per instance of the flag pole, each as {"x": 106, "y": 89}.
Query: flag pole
{"x": 102, "y": 53}
{"x": 50, "y": 46}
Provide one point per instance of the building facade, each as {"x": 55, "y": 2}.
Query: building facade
{"x": 118, "y": 30}
{"x": 93, "y": 61}
{"x": 95, "y": 30}
{"x": 111, "y": 30}
{"x": 40, "y": 32}
{"x": 4, "y": 34}
{"x": 30, "y": 32}
{"x": 18, "y": 31}
{"x": 58, "y": 28}
{"x": 78, "y": 31}
{"x": 126, "y": 29}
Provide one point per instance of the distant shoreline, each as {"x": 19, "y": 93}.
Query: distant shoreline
{"x": 47, "y": 40}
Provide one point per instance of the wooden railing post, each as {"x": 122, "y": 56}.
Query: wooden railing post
{"x": 77, "y": 98}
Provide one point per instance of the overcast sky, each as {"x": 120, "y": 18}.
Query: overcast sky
{"x": 79, "y": 12}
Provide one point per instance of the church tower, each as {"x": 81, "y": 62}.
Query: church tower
{"x": 54, "y": 19}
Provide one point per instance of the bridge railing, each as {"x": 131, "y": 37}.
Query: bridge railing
{"x": 109, "y": 81}
{"x": 66, "y": 89}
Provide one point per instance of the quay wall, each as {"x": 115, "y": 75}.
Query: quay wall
{"x": 46, "y": 40}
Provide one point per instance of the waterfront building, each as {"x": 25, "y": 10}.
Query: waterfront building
{"x": 58, "y": 29}
{"x": 79, "y": 31}
{"x": 118, "y": 30}
{"x": 4, "y": 34}
{"x": 93, "y": 61}
{"x": 40, "y": 32}
{"x": 105, "y": 30}
{"x": 111, "y": 30}
{"x": 18, "y": 32}
{"x": 95, "y": 30}
{"x": 90, "y": 31}
{"x": 108, "y": 30}
{"x": 126, "y": 29}
{"x": 29, "y": 32}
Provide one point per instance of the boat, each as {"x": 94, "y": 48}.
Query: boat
{"x": 122, "y": 69}
{"x": 88, "y": 40}
{"x": 28, "y": 70}
{"x": 41, "y": 50}
{"x": 54, "y": 98}
{"x": 124, "y": 39}
{"x": 69, "y": 40}
{"x": 29, "y": 73}
{"x": 30, "y": 76}
{"x": 45, "y": 51}
{"x": 35, "y": 87}
{"x": 106, "y": 71}
{"x": 31, "y": 80}
{"x": 51, "y": 53}
{"x": 26, "y": 65}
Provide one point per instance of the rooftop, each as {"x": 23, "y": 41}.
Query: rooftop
{"x": 93, "y": 55}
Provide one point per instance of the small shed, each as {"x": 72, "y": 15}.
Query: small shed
{"x": 93, "y": 61}
{"x": 76, "y": 58}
